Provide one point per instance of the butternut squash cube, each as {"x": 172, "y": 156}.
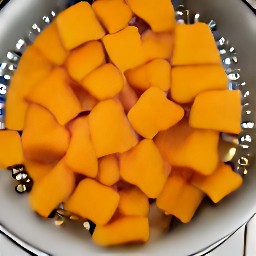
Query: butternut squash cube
{"x": 127, "y": 96}
{"x": 87, "y": 101}
{"x": 184, "y": 146}
{"x": 113, "y": 14}
{"x": 128, "y": 229}
{"x": 43, "y": 138}
{"x": 189, "y": 81}
{"x": 33, "y": 67}
{"x": 133, "y": 202}
{"x": 52, "y": 190}
{"x": 153, "y": 112}
{"x": 159, "y": 15}
{"x": 36, "y": 170}
{"x": 194, "y": 44}
{"x": 81, "y": 156}
{"x": 94, "y": 201}
{"x": 219, "y": 184}
{"x": 155, "y": 73}
{"x": 125, "y": 48}
{"x": 104, "y": 82}
{"x": 48, "y": 42}
{"x": 110, "y": 129}
{"x": 11, "y": 149}
{"x": 217, "y": 110}
{"x": 157, "y": 45}
{"x": 84, "y": 59}
{"x": 78, "y": 24}
{"x": 108, "y": 170}
{"x": 15, "y": 110}
{"x": 179, "y": 198}
{"x": 63, "y": 103}
{"x": 143, "y": 166}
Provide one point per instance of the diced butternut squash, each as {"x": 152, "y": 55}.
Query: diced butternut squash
{"x": 133, "y": 202}
{"x": 108, "y": 170}
{"x": 194, "y": 44}
{"x": 219, "y": 184}
{"x": 78, "y": 24}
{"x": 125, "y": 48}
{"x": 94, "y": 201}
{"x": 157, "y": 45}
{"x": 159, "y": 15}
{"x": 185, "y": 172}
{"x": 43, "y": 138}
{"x": 113, "y": 14}
{"x": 33, "y": 67}
{"x": 86, "y": 100}
{"x": 81, "y": 156}
{"x": 179, "y": 198}
{"x": 153, "y": 112}
{"x": 185, "y": 146}
{"x": 15, "y": 110}
{"x": 189, "y": 81}
{"x": 104, "y": 82}
{"x": 52, "y": 190}
{"x": 127, "y": 97}
{"x": 36, "y": 170}
{"x": 144, "y": 167}
{"x": 84, "y": 59}
{"x": 128, "y": 229}
{"x": 217, "y": 110}
{"x": 110, "y": 129}
{"x": 48, "y": 42}
{"x": 11, "y": 149}
{"x": 55, "y": 94}
{"x": 155, "y": 73}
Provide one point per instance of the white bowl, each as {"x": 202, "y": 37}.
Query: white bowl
{"x": 211, "y": 223}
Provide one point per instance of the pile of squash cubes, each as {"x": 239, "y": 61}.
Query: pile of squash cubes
{"x": 119, "y": 104}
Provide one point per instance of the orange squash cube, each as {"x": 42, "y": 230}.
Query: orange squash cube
{"x": 125, "y": 48}
{"x": 143, "y": 166}
{"x": 11, "y": 149}
{"x": 219, "y": 184}
{"x": 159, "y": 15}
{"x": 104, "y": 82}
{"x": 201, "y": 48}
{"x": 189, "y": 81}
{"x": 81, "y": 156}
{"x": 43, "y": 138}
{"x": 84, "y": 59}
{"x": 108, "y": 170}
{"x": 124, "y": 230}
{"x": 113, "y": 14}
{"x": 153, "y": 112}
{"x": 49, "y": 43}
{"x": 94, "y": 201}
{"x": 184, "y": 146}
{"x": 52, "y": 190}
{"x": 15, "y": 110}
{"x": 33, "y": 67}
{"x": 36, "y": 170}
{"x": 155, "y": 73}
{"x": 110, "y": 129}
{"x": 217, "y": 110}
{"x": 127, "y": 96}
{"x": 157, "y": 45}
{"x": 133, "y": 202}
{"x": 179, "y": 198}
{"x": 63, "y": 103}
{"x": 77, "y": 25}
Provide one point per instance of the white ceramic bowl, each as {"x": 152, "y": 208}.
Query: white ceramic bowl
{"x": 211, "y": 223}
